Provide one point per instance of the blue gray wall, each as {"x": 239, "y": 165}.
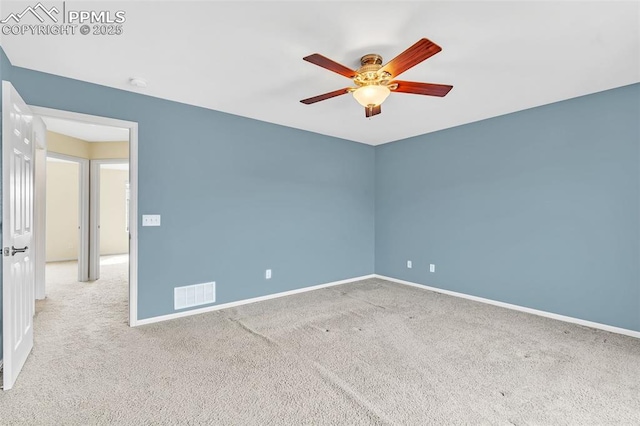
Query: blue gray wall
{"x": 236, "y": 195}
{"x": 540, "y": 208}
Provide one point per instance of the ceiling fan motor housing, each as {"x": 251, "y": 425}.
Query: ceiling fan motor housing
{"x": 368, "y": 73}
{"x": 371, "y": 59}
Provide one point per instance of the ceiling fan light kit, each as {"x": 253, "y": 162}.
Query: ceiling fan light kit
{"x": 372, "y": 95}
{"x": 375, "y": 82}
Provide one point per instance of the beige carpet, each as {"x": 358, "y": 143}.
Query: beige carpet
{"x": 371, "y": 352}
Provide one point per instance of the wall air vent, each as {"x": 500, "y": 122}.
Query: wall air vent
{"x": 194, "y": 295}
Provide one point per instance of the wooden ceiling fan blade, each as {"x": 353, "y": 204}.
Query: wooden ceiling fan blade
{"x": 417, "y": 53}
{"x": 371, "y": 111}
{"x": 325, "y": 96}
{"x": 331, "y": 65}
{"x": 430, "y": 89}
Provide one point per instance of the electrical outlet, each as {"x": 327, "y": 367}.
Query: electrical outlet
{"x": 267, "y": 274}
{"x": 432, "y": 267}
{"x": 409, "y": 264}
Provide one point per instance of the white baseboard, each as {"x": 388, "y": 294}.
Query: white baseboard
{"x": 246, "y": 301}
{"x": 551, "y": 315}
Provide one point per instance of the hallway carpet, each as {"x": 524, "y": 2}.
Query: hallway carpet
{"x": 371, "y": 352}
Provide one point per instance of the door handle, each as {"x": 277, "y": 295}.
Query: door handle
{"x": 18, "y": 250}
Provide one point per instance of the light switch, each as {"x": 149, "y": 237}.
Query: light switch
{"x": 150, "y": 220}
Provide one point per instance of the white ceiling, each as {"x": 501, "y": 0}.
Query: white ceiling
{"x": 85, "y": 131}
{"x": 245, "y": 58}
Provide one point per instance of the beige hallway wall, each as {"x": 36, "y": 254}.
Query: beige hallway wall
{"x": 63, "y": 144}
{"x": 113, "y": 236}
{"x": 62, "y": 211}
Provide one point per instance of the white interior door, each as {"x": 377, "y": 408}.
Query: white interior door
{"x": 17, "y": 233}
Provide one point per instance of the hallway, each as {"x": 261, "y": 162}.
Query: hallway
{"x": 103, "y": 300}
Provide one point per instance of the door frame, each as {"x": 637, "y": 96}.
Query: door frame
{"x": 83, "y": 215}
{"x": 94, "y": 208}
{"x": 40, "y": 199}
{"x": 133, "y": 188}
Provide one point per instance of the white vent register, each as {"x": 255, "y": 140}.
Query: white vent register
{"x": 194, "y": 295}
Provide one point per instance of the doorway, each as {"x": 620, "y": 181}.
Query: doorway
{"x": 107, "y": 228}
{"x": 66, "y": 213}
{"x": 110, "y": 199}
{"x": 24, "y": 161}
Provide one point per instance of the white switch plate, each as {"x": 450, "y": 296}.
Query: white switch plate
{"x": 267, "y": 274}
{"x": 409, "y": 264}
{"x": 150, "y": 220}
{"x": 432, "y": 267}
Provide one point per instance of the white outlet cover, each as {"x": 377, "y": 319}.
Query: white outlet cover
{"x": 432, "y": 267}
{"x": 409, "y": 264}
{"x": 267, "y": 274}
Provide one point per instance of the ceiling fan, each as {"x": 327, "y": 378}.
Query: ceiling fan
{"x": 374, "y": 81}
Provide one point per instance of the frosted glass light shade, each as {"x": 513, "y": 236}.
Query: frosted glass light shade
{"x": 371, "y": 95}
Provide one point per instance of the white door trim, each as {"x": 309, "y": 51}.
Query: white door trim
{"x": 94, "y": 213}
{"x": 83, "y": 211}
{"x": 40, "y": 206}
{"x": 133, "y": 188}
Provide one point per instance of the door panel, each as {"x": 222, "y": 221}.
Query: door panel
{"x": 17, "y": 198}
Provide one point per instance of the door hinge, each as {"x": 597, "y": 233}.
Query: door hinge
{"x": 5, "y": 251}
